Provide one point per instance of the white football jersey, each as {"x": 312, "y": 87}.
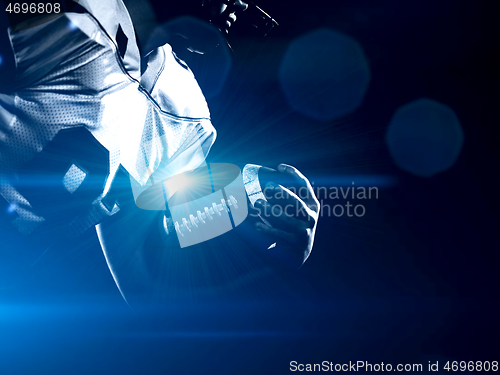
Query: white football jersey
{"x": 82, "y": 69}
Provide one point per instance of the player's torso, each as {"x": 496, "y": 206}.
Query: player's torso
{"x": 80, "y": 73}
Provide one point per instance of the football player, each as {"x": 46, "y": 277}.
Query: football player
{"x": 80, "y": 120}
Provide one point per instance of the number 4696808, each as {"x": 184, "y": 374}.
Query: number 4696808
{"x": 39, "y": 8}
{"x": 471, "y": 366}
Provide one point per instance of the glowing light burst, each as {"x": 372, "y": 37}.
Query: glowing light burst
{"x": 183, "y": 181}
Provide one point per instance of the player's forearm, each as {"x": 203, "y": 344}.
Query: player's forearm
{"x": 124, "y": 241}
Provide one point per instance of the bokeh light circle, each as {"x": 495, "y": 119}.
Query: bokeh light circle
{"x": 201, "y": 45}
{"x": 424, "y": 137}
{"x": 324, "y": 74}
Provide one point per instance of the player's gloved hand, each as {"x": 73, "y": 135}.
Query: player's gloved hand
{"x": 292, "y": 214}
{"x": 223, "y": 13}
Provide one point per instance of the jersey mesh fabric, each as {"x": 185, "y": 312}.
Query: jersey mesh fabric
{"x": 69, "y": 73}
